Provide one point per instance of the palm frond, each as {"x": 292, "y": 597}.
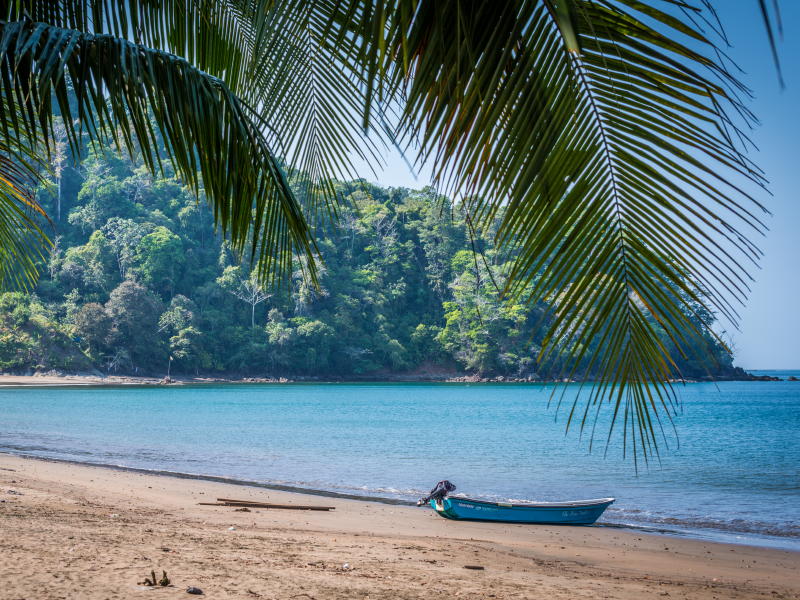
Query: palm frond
{"x": 613, "y": 147}
{"x": 23, "y": 242}
{"x": 309, "y": 101}
{"x": 280, "y": 58}
{"x": 205, "y": 127}
{"x": 771, "y": 34}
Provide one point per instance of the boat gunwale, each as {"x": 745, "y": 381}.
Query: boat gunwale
{"x": 538, "y": 505}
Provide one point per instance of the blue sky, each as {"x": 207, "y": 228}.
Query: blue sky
{"x": 769, "y": 325}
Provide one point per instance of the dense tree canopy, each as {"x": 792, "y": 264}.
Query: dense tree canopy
{"x": 401, "y": 290}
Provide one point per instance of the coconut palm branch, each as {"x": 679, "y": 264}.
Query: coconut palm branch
{"x": 286, "y": 66}
{"x": 22, "y": 238}
{"x": 614, "y": 137}
{"x": 267, "y": 60}
{"x": 134, "y": 95}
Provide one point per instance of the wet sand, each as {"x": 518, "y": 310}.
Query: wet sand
{"x": 59, "y": 541}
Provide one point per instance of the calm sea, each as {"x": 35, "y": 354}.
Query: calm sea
{"x": 733, "y": 473}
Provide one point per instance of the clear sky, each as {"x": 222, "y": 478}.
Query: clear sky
{"x": 770, "y": 323}
{"x": 769, "y": 326}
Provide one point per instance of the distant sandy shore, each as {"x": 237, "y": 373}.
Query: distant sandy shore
{"x": 33, "y": 380}
{"x": 71, "y": 380}
{"x": 59, "y": 541}
{"x": 111, "y": 379}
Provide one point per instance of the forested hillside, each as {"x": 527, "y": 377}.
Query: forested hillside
{"x": 138, "y": 275}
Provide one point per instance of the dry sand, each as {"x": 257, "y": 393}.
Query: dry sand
{"x": 58, "y": 541}
{"x": 46, "y": 380}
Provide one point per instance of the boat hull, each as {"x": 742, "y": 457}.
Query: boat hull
{"x": 562, "y": 513}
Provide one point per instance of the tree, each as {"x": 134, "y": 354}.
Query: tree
{"x": 181, "y": 314}
{"x": 125, "y": 236}
{"x": 135, "y": 312}
{"x": 305, "y": 292}
{"x": 352, "y": 227}
{"x": 59, "y": 143}
{"x": 93, "y": 323}
{"x": 246, "y": 289}
{"x": 54, "y": 263}
{"x": 386, "y": 237}
{"x": 160, "y": 255}
{"x": 281, "y": 339}
{"x": 186, "y": 347}
{"x": 313, "y": 340}
{"x": 90, "y": 265}
{"x": 95, "y": 175}
{"x": 136, "y": 185}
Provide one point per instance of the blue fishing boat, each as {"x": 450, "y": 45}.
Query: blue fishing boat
{"x": 581, "y": 512}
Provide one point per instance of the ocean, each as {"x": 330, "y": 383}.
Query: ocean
{"x": 731, "y": 474}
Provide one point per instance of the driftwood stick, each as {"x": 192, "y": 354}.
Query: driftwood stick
{"x": 244, "y": 503}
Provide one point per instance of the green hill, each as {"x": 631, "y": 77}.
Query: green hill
{"x": 139, "y": 274}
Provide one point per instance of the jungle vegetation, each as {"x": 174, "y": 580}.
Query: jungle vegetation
{"x": 138, "y": 274}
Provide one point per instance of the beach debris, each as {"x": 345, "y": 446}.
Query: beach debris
{"x": 243, "y": 509}
{"x": 14, "y": 493}
{"x": 194, "y": 590}
{"x": 231, "y": 528}
{"x": 474, "y": 567}
{"x": 250, "y": 504}
{"x": 113, "y": 516}
{"x": 346, "y": 566}
{"x": 152, "y": 582}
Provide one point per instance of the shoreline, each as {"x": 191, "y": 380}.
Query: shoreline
{"x": 777, "y": 543}
{"x": 62, "y": 538}
{"x": 290, "y": 489}
{"x": 99, "y": 379}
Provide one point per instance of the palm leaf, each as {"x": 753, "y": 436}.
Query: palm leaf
{"x": 308, "y": 105}
{"x": 309, "y": 102}
{"x": 22, "y": 240}
{"x": 613, "y": 147}
{"x": 278, "y": 58}
{"x": 208, "y": 131}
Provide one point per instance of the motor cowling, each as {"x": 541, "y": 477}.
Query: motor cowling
{"x": 440, "y": 491}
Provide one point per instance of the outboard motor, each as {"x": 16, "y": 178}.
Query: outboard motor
{"x": 440, "y": 491}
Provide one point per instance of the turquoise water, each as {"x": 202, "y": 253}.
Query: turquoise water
{"x": 734, "y": 476}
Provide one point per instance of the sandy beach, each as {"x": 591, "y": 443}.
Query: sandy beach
{"x": 76, "y": 531}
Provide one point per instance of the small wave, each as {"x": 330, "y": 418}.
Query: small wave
{"x": 633, "y": 518}
{"x": 707, "y": 524}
